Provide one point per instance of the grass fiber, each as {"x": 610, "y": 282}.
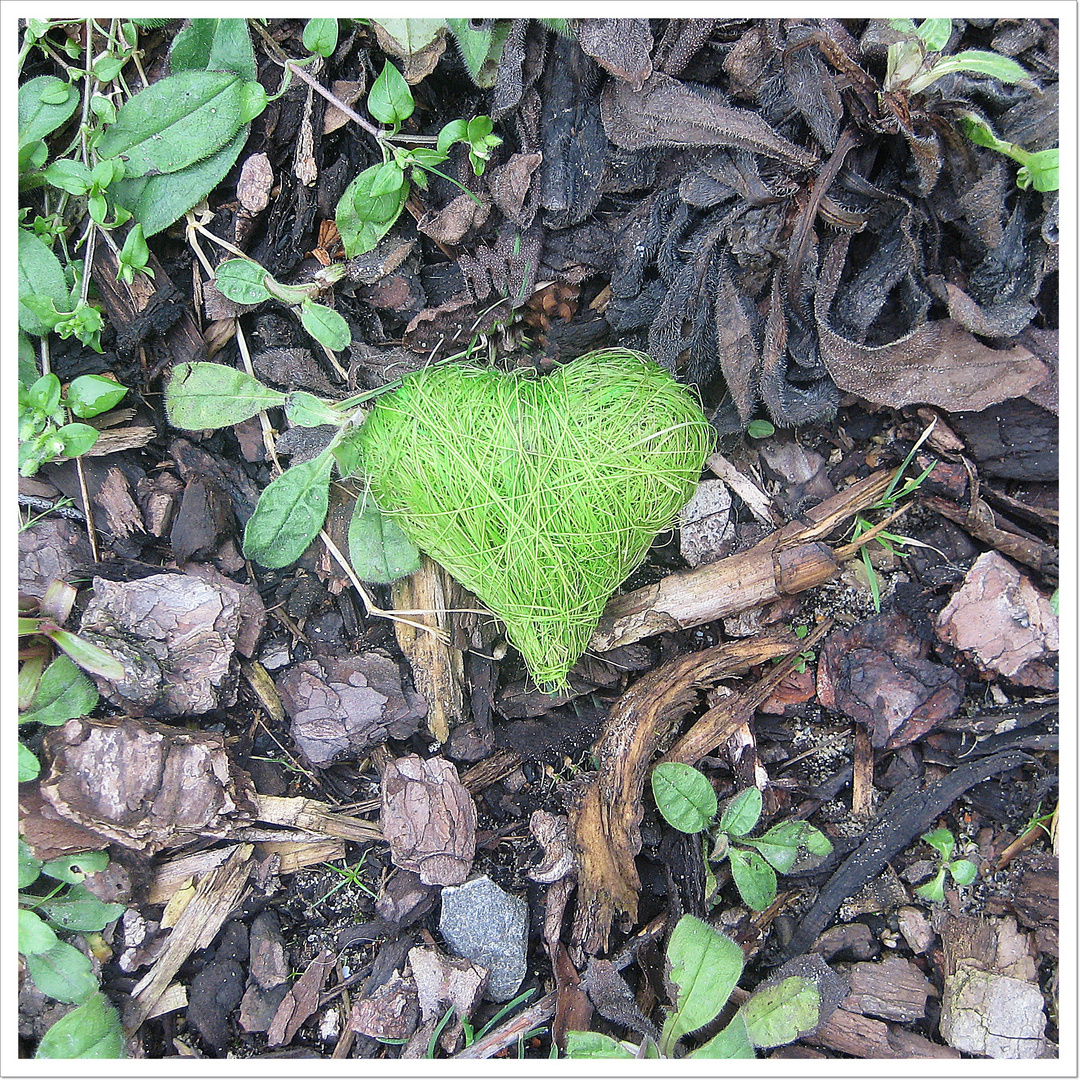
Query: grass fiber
{"x": 539, "y": 494}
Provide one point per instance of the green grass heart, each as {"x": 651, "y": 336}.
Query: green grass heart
{"x": 539, "y": 495}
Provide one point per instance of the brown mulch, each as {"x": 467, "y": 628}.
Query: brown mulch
{"x": 287, "y": 794}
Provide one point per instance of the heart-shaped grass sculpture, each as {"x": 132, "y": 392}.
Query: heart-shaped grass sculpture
{"x": 540, "y": 495}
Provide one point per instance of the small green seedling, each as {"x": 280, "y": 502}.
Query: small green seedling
{"x": 687, "y": 802}
{"x": 962, "y": 871}
{"x": 244, "y": 281}
{"x": 470, "y": 1033}
{"x": 894, "y": 493}
{"x": 1038, "y": 169}
{"x": 45, "y": 432}
{"x": 760, "y": 429}
{"x": 58, "y": 968}
{"x": 703, "y": 967}
{"x": 375, "y": 198}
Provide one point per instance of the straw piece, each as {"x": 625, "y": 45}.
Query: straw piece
{"x": 540, "y": 495}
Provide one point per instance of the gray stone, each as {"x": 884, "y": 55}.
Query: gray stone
{"x": 994, "y": 1015}
{"x": 489, "y": 927}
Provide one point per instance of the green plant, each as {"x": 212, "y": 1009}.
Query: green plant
{"x": 374, "y": 200}
{"x": 246, "y": 282}
{"x": 915, "y": 63}
{"x": 53, "y": 691}
{"x": 894, "y": 494}
{"x": 704, "y": 967}
{"x": 58, "y": 968}
{"x": 962, "y": 871}
{"x": 687, "y": 802}
{"x": 292, "y": 508}
{"x": 321, "y": 36}
{"x": 45, "y": 432}
{"x": 472, "y": 1035}
{"x": 350, "y": 875}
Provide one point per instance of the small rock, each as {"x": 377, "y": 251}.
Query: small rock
{"x": 482, "y": 923}
{"x": 705, "y": 524}
{"x": 916, "y": 929}
{"x": 52, "y": 550}
{"x": 993, "y": 1015}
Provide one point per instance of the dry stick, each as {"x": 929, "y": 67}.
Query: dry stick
{"x": 787, "y": 561}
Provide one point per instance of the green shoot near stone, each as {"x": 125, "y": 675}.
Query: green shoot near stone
{"x": 962, "y": 871}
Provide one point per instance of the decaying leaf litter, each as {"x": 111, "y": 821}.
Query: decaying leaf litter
{"x": 843, "y": 241}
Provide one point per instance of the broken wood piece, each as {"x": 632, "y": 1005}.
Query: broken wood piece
{"x": 790, "y": 560}
{"x": 216, "y": 896}
{"x": 758, "y": 503}
{"x": 867, "y": 1038}
{"x": 605, "y": 823}
{"x": 314, "y": 817}
{"x": 438, "y": 667}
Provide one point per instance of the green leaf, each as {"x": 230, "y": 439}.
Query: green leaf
{"x": 289, "y": 514}
{"x": 1040, "y": 171}
{"x": 780, "y": 1014}
{"x": 321, "y": 36}
{"x": 378, "y": 550}
{"x": 29, "y": 766}
{"x": 942, "y": 841}
{"x": 158, "y": 201}
{"x": 44, "y": 104}
{"x": 175, "y": 122}
{"x": 741, "y": 813}
{"x": 592, "y": 1044}
{"x": 363, "y": 220}
{"x": 963, "y": 871}
{"x": 780, "y": 856}
{"x": 934, "y": 889}
{"x": 108, "y": 67}
{"x": 306, "y": 410}
{"x": 704, "y": 966}
{"x": 325, "y": 325}
{"x": 44, "y": 394}
{"x": 481, "y": 46}
{"x": 35, "y": 935}
{"x": 975, "y": 61}
{"x": 73, "y": 869}
{"x": 76, "y": 439}
{"x": 683, "y": 795}
{"x": 387, "y": 180}
{"x": 781, "y": 844}
{"x": 732, "y": 1042}
{"x": 218, "y": 44}
{"x": 92, "y": 1030}
{"x": 935, "y": 33}
{"x": 242, "y": 281}
{"x": 91, "y": 395}
{"x": 760, "y": 429}
{"x": 453, "y": 132}
{"x": 62, "y": 972}
{"x": 77, "y": 909}
{"x": 412, "y": 34}
{"x": 754, "y": 878}
{"x": 86, "y": 654}
{"x": 202, "y": 395}
{"x": 63, "y": 693}
{"x": 40, "y": 274}
{"x": 29, "y": 867}
{"x": 390, "y": 100}
{"x": 70, "y": 176}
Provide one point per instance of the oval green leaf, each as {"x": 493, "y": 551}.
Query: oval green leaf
{"x": 741, "y": 813}
{"x": 704, "y": 966}
{"x": 780, "y": 1014}
{"x": 74, "y": 868}
{"x": 378, "y": 550}
{"x": 754, "y": 878}
{"x": 363, "y": 220}
{"x": 44, "y": 104}
{"x": 289, "y": 514}
{"x": 91, "y": 395}
{"x": 594, "y": 1044}
{"x": 35, "y": 935}
{"x": 242, "y": 281}
{"x": 306, "y": 410}
{"x": 683, "y": 795}
{"x": 29, "y": 867}
{"x": 77, "y": 909}
{"x": 325, "y": 325}
{"x": 92, "y": 1030}
{"x": 62, "y": 972}
{"x": 203, "y": 395}
{"x": 40, "y": 274}
{"x": 175, "y": 122}
{"x": 63, "y": 693}
{"x": 321, "y": 36}
{"x": 390, "y": 100}
{"x": 29, "y": 766}
{"x": 732, "y": 1042}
